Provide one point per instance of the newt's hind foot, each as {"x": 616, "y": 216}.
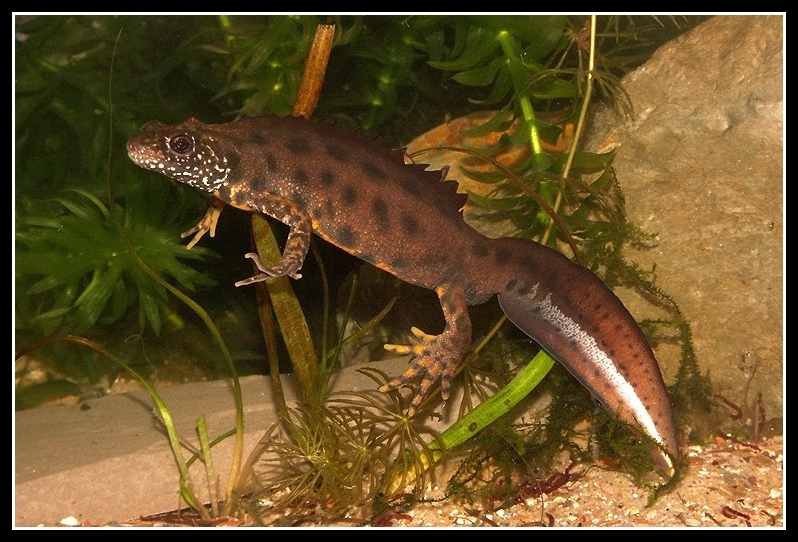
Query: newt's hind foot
{"x": 436, "y": 359}
{"x": 284, "y": 267}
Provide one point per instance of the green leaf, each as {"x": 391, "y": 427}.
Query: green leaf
{"x": 480, "y": 44}
{"x": 498, "y": 122}
{"x": 542, "y": 33}
{"x": 553, "y": 88}
{"x": 482, "y": 76}
{"x": 501, "y": 89}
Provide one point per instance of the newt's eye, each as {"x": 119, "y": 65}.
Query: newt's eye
{"x": 181, "y": 144}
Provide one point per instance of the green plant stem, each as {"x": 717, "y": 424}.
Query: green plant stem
{"x": 210, "y": 470}
{"x": 288, "y": 311}
{"x": 497, "y": 405}
{"x": 483, "y": 415}
{"x": 268, "y": 329}
{"x": 530, "y": 122}
{"x": 579, "y": 125}
{"x": 327, "y": 361}
{"x": 528, "y": 112}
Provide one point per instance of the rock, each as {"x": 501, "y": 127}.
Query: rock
{"x": 701, "y": 165}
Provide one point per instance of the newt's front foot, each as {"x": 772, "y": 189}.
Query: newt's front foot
{"x": 436, "y": 358}
{"x": 207, "y": 224}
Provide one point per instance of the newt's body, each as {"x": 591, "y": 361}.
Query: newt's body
{"x": 352, "y": 192}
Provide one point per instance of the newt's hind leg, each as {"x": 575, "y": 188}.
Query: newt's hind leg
{"x": 437, "y": 356}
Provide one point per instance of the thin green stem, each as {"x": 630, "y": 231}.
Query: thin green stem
{"x": 481, "y": 417}
{"x": 579, "y": 125}
{"x": 528, "y": 112}
{"x": 497, "y": 405}
{"x": 210, "y": 470}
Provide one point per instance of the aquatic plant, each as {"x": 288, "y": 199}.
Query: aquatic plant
{"x": 395, "y": 76}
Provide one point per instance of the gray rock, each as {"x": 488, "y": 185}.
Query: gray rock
{"x": 702, "y": 165}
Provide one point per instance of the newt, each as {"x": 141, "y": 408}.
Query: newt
{"x": 353, "y": 192}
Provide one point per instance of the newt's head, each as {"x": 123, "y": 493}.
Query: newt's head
{"x": 189, "y": 152}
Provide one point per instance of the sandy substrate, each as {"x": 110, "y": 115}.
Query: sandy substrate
{"x": 727, "y": 484}
{"x": 105, "y": 463}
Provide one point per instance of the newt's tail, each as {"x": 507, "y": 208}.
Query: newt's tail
{"x": 574, "y": 316}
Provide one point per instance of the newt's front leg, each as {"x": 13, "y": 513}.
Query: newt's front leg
{"x": 296, "y": 246}
{"x": 437, "y": 356}
{"x": 207, "y": 224}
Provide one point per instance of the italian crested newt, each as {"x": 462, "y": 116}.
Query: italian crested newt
{"x": 351, "y": 191}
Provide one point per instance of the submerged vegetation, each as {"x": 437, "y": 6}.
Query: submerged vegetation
{"x": 395, "y": 76}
